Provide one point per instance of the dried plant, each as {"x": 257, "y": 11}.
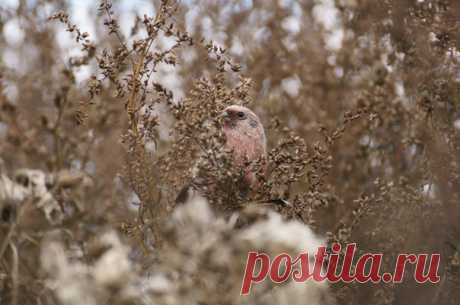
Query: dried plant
{"x": 362, "y": 119}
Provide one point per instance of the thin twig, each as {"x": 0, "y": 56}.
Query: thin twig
{"x": 14, "y": 274}
{"x": 6, "y": 241}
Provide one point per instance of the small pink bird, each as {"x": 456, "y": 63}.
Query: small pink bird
{"x": 245, "y": 138}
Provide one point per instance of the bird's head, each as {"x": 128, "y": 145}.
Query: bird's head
{"x": 240, "y": 118}
{"x": 244, "y": 131}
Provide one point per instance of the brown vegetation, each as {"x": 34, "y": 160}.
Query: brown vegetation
{"x": 363, "y": 138}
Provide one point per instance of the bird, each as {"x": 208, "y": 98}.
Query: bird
{"x": 245, "y": 139}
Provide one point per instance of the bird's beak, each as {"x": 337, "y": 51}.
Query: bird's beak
{"x": 224, "y": 115}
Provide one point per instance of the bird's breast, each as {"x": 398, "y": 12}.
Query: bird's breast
{"x": 244, "y": 146}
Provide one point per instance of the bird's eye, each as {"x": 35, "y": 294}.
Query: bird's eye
{"x": 241, "y": 115}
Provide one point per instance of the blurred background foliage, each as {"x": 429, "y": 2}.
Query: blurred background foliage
{"x": 370, "y": 87}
